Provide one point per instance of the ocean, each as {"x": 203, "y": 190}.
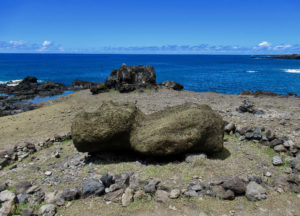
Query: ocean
{"x": 220, "y": 73}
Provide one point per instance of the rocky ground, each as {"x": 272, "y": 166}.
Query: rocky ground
{"x": 224, "y": 184}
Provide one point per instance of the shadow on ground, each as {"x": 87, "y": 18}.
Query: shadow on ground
{"x": 130, "y": 156}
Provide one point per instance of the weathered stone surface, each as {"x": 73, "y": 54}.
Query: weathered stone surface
{"x": 107, "y": 179}
{"x": 107, "y": 129}
{"x": 162, "y": 196}
{"x": 22, "y": 198}
{"x": 7, "y": 208}
{"x": 136, "y": 76}
{"x": 174, "y": 194}
{"x": 173, "y": 85}
{"x": 191, "y": 158}
{"x": 277, "y": 161}
{"x": 255, "y": 192}
{"x": 223, "y": 194}
{"x": 115, "y": 196}
{"x": 141, "y": 195}
{"x": 151, "y": 186}
{"x": 7, "y": 195}
{"x": 92, "y": 186}
{"x": 22, "y": 187}
{"x": 235, "y": 184}
{"x": 127, "y": 197}
{"x": 179, "y": 129}
{"x": 48, "y": 210}
{"x": 70, "y": 194}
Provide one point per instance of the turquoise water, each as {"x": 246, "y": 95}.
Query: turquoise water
{"x": 220, "y": 73}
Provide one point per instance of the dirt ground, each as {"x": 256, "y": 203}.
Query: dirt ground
{"x": 282, "y": 115}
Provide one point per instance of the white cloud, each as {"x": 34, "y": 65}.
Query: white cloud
{"x": 46, "y": 43}
{"x": 282, "y": 47}
{"x": 264, "y": 44}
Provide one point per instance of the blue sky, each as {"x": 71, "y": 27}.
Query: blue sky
{"x": 156, "y": 26}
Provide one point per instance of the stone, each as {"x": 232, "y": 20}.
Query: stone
{"x": 22, "y": 198}
{"x": 268, "y": 174}
{"x": 141, "y": 195}
{"x": 173, "y": 85}
{"x": 162, "y": 196}
{"x": 151, "y": 186}
{"x": 127, "y": 197}
{"x": 280, "y": 148}
{"x": 295, "y": 163}
{"x": 134, "y": 76}
{"x": 174, "y": 194}
{"x": 180, "y": 129}
{"x": 107, "y": 179}
{"x": 195, "y": 187}
{"x": 235, "y": 184}
{"x": 190, "y": 193}
{"x": 276, "y": 142}
{"x": 51, "y": 197}
{"x": 257, "y": 134}
{"x": 22, "y": 187}
{"x": 70, "y": 194}
{"x": 191, "y": 158}
{"x": 223, "y": 194}
{"x": 93, "y": 186}
{"x": 48, "y": 173}
{"x": 115, "y": 196}
{"x": 255, "y": 192}
{"x": 106, "y": 129}
{"x": 270, "y": 136}
{"x": 229, "y": 127}
{"x": 7, "y": 195}
{"x": 47, "y": 210}
{"x": 3, "y": 187}
{"x": 7, "y": 208}
{"x": 277, "y": 161}
{"x": 32, "y": 189}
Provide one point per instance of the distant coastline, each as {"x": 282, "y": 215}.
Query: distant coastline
{"x": 285, "y": 56}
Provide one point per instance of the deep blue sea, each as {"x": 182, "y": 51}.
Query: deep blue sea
{"x": 220, "y": 73}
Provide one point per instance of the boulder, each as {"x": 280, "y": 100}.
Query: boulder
{"x": 255, "y": 192}
{"x": 107, "y": 129}
{"x": 179, "y": 129}
{"x": 48, "y": 210}
{"x": 173, "y": 85}
{"x": 236, "y": 185}
{"x": 92, "y": 186}
{"x": 162, "y": 196}
{"x": 127, "y": 197}
{"x": 137, "y": 76}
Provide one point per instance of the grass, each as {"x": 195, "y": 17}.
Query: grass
{"x": 19, "y": 207}
{"x": 66, "y": 141}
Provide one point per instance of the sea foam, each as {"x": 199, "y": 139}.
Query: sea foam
{"x": 292, "y": 70}
{"x": 251, "y": 71}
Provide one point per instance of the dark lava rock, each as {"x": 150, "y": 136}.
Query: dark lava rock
{"x": 151, "y": 186}
{"x": 257, "y": 134}
{"x": 173, "y": 85}
{"x": 98, "y": 89}
{"x": 270, "y": 136}
{"x": 247, "y": 106}
{"x": 22, "y": 198}
{"x": 80, "y": 84}
{"x": 70, "y": 194}
{"x": 276, "y": 142}
{"x": 235, "y": 184}
{"x": 92, "y": 186}
{"x": 107, "y": 179}
{"x": 138, "y": 76}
